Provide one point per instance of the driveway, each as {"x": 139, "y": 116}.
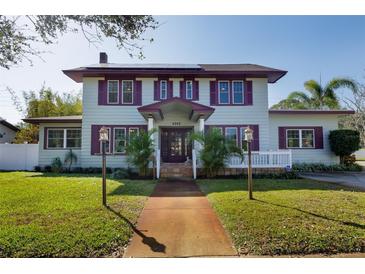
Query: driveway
{"x": 178, "y": 221}
{"x": 351, "y": 179}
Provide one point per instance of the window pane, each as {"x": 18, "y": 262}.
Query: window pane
{"x": 55, "y": 138}
{"x": 223, "y": 93}
{"x": 127, "y": 92}
{"x": 113, "y": 91}
{"x": 238, "y": 92}
{"x": 189, "y": 90}
{"x": 243, "y": 142}
{"x": 133, "y": 132}
{"x": 163, "y": 89}
{"x": 73, "y": 138}
{"x": 231, "y": 134}
{"x": 307, "y": 138}
{"x": 119, "y": 140}
{"x": 293, "y": 138}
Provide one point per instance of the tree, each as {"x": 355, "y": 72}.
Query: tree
{"x": 70, "y": 158}
{"x": 356, "y": 121}
{"x": 216, "y": 150}
{"x": 319, "y": 97}
{"x": 140, "y": 149}
{"x": 344, "y": 142}
{"x": 20, "y": 34}
{"x": 45, "y": 103}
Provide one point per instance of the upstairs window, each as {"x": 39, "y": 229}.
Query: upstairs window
{"x": 113, "y": 92}
{"x": 189, "y": 90}
{"x": 223, "y": 92}
{"x": 231, "y": 134}
{"x": 237, "y": 87}
{"x": 64, "y": 138}
{"x": 163, "y": 89}
{"x": 119, "y": 140}
{"x": 127, "y": 92}
{"x": 300, "y": 138}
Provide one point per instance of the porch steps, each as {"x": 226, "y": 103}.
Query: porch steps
{"x": 176, "y": 170}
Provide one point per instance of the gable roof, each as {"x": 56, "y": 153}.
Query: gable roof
{"x": 8, "y": 125}
{"x": 197, "y": 70}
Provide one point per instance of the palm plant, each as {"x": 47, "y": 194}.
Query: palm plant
{"x": 70, "y": 158}
{"x": 319, "y": 96}
{"x": 216, "y": 150}
{"x": 140, "y": 149}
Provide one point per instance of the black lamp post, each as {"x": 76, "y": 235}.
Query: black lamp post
{"x": 248, "y": 139}
{"x": 103, "y": 138}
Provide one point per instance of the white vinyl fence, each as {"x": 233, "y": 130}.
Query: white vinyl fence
{"x": 18, "y": 156}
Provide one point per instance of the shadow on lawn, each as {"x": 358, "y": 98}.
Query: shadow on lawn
{"x": 221, "y": 185}
{"x": 314, "y": 214}
{"x": 154, "y": 245}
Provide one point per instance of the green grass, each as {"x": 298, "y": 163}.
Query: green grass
{"x": 46, "y": 215}
{"x": 289, "y": 216}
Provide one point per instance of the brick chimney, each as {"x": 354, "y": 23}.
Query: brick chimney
{"x": 103, "y": 58}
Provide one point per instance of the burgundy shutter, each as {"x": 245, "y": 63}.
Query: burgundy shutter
{"x": 248, "y": 93}
{"x": 318, "y": 137}
{"x": 182, "y": 90}
{"x": 102, "y": 92}
{"x": 137, "y": 96}
{"x": 156, "y": 90}
{"x": 95, "y": 145}
{"x": 45, "y": 138}
{"x": 256, "y": 138}
{"x": 196, "y": 90}
{"x": 170, "y": 89}
{"x": 282, "y": 138}
{"x": 213, "y": 92}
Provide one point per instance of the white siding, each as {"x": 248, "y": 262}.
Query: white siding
{"x": 6, "y": 134}
{"x": 328, "y": 122}
{"x": 46, "y": 156}
{"x": 254, "y": 114}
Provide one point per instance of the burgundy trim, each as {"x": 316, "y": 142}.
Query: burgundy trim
{"x": 212, "y": 94}
{"x": 170, "y": 89}
{"x": 102, "y": 92}
{"x": 183, "y": 89}
{"x": 290, "y": 111}
{"x": 248, "y": 93}
{"x": 137, "y": 94}
{"x": 255, "y": 145}
{"x": 195, "y": 90}
{"x": 95, "y": 144}
{"x": 156, "y": 106}
{"x": 156, "y": 90}
{"x": 318, "y": 136}
{"x": 50, "y": 120}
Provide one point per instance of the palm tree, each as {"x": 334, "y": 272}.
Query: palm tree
{"x": 70, "y": 158}
{"x": 319, "y": 96}
{"x": 140, "y": 149}
{"x": 216, "y": 150}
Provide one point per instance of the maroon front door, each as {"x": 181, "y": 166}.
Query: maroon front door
{"x": 175, "y": 144}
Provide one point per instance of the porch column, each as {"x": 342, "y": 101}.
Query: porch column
{"x": 201, "y": 125}
{"x": 150, "y": 126}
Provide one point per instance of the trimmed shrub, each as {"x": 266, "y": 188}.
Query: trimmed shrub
{"x": 344, "y": 142}
{"x": 320, "y": 167}
{"x": 37, "y": 168}
{"x": 56, "y": 165}
{"x": 120, "y": 173}
{"x": 48, "y": 168}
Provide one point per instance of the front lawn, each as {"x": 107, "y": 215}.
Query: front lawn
{"x": 46, "y": 215}
{"x": 289, "y": 216}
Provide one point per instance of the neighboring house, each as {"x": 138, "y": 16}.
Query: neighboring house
{"x": 7, "y": 131}
{"x": 179, "y": 99}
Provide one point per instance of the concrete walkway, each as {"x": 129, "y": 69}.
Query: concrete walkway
{"x": 350, "y": 179}
{"x": 178, "y": 221}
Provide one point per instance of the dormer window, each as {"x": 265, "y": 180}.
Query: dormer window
{"x": 189, "y": 90}
{"x": 163, "y": 89}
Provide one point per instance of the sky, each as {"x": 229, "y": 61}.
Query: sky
{"x": 308, "y": 47}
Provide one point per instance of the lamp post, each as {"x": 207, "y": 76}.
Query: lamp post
{"x": 248, "y": 139}
{"x": 103, "y": 138}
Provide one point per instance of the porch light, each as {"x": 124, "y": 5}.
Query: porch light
{"x": 103, "y": 134}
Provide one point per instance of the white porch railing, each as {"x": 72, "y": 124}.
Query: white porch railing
{"x": 263, "y": 159}
{"x": 158, "y": 163}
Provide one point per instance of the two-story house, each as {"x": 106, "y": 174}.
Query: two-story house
{"x": 177, "y": 99}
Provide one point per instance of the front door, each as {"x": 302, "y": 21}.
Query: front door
{"x": 175, "y": 144}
